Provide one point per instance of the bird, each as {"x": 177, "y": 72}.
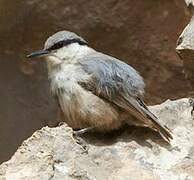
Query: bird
{"x": 95, "y": 91}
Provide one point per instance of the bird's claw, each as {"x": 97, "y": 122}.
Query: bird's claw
{"x": 61, "y": 123}
{"x": 80, "y": 141}
{"x": 83, "y": 131}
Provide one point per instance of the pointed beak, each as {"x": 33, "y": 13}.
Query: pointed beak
{"x": 38, "y": 54}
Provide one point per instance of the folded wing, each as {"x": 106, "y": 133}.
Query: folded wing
{"x": 122, "y": 85}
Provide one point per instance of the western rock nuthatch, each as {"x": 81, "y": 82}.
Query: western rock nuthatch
{"x": 94, "y": 90}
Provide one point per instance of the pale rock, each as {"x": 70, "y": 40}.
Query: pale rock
{"x": 134, "y": 153}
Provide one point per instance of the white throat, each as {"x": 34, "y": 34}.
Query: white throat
{"x": 67, "y": 54}
{"x": 71, "y": 51}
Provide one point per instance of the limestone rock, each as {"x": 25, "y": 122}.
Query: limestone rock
{"x": 189, "y": 2}
{"x": 185, "y": 50}
{"x": 185, "y": 45}
{"x": 132, "y": 153}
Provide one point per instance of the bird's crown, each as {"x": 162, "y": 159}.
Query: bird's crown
{"x": 63, "y": 38}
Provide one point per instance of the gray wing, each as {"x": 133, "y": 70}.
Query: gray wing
{"x": 122, "y": 85}
{"x": 111, "y": 76}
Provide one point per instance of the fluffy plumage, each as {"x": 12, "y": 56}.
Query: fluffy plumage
{"x": 94, "y": 89}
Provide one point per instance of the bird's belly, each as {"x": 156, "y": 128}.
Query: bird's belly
{"x": 83, "y": 109}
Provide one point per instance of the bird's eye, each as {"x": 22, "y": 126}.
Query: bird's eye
{"x": 58, "y": 45}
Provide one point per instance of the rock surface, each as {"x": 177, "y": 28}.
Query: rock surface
{"x": 185, "y": 46}
{"x": 189, "y": 2}
{"x": 134, "y": 153}
{"x": 185, "y": 50}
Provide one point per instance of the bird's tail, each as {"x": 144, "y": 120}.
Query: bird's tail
{"x": 154, "y": 122}
{"x": 162, "y": 129}
{"x": 138, "y": 109}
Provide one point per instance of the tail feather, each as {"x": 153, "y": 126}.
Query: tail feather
{"x": 138, "y": 109}
{"x": 162, "y": 129}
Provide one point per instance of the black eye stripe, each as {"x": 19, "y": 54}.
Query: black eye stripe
{"x": 60, "y": 44}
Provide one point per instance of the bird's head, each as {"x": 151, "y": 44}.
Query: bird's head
{"x": 61, "y": 45}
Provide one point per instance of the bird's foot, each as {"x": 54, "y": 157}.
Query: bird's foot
{"x": 61, "y": 123}
{"x": 79, "y": 140}
{"x": 83, "y": 131}
{"x": 82, "y": 143}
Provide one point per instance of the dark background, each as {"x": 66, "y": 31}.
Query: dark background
{"x": 143, "y": 33}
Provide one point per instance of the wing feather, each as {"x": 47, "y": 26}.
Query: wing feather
{"x": 122, "y": 85}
